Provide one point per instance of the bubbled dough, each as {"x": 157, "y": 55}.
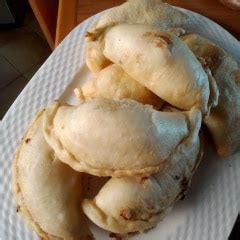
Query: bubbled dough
{"x": 107, "y": 137}
{"x": 113, "y": 83}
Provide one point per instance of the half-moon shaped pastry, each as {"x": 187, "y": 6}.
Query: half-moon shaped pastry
{"x": 112, "y": 82}
{"x": 161, "y": 62}
{"x": 224, "y": 120}
{"x": 152, "y": 12}
{"x": 106, "y": 137}
{"x": 48, "y": 192}
{"x": 129, "y": 204}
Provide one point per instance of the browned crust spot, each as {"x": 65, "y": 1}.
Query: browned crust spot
{"x": 18, "y": 208}
{"x": 184, "y": 184}
{"x": 176, "y": 177}
{"x": 90, "y": 36}
{"x": 212, "y": 56}
{"x": 126, "y": 214}
{"x": 115, "y": 236}
{"x": 27, "y": 140}
{"x": 166, "y": 39}
{"x": 158, "y": 39}
{"x": 143, "y": 179}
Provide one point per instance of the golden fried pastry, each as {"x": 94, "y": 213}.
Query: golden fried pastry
{"x": 48, "y": 192}
{"x": 129, "y": 204}
{"x": 112, "y": 82}
{"x": 161, "y": 62}
{"x": 224, "y": 120}
{"x": 107, "y": 137}
{"x": 152, "y": 12}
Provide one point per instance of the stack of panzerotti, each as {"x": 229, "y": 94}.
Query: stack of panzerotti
{"x": 138, "y": 122}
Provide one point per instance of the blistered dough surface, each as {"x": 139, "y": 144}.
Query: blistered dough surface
{"x": 114, "y": 137}
{"x": 113, "y": 83}
{"x": 48, "y": 192}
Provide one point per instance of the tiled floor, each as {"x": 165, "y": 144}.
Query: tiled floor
{"x": 22, "y": 52}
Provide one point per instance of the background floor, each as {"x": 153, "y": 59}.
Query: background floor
{"x": 22, "y": 51}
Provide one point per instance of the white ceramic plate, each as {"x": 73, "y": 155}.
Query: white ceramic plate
{"x": 211, "y": 207}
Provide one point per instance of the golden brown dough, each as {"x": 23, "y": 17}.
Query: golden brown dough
{"x": 113, "y": 83}
{"x": 224, "y": 120}
{"x": 152, "y": 12}
{"x": 48, "y": 192}
{"x": 107, "y": 137}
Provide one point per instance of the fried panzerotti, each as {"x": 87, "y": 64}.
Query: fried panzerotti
{"x": 152, "y": 12}
{"x": 107, "y": 137}
{"x": 161, "y": 62}
{"x": 129, "y": 204}
{"x": 113, "y": 83}
{"x": 224, "y": 120}
{"x": 48, "y": 192}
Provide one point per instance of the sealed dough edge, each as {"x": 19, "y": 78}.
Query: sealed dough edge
{"x": 141, "y": 139}
{"x": 21, "y": 208}
{"x": 70, "y": 159}
{"x": 31, "y": 207}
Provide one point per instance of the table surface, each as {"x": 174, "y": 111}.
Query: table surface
{"x": 213, "y": 9}
{"x": 58, "y": 17}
